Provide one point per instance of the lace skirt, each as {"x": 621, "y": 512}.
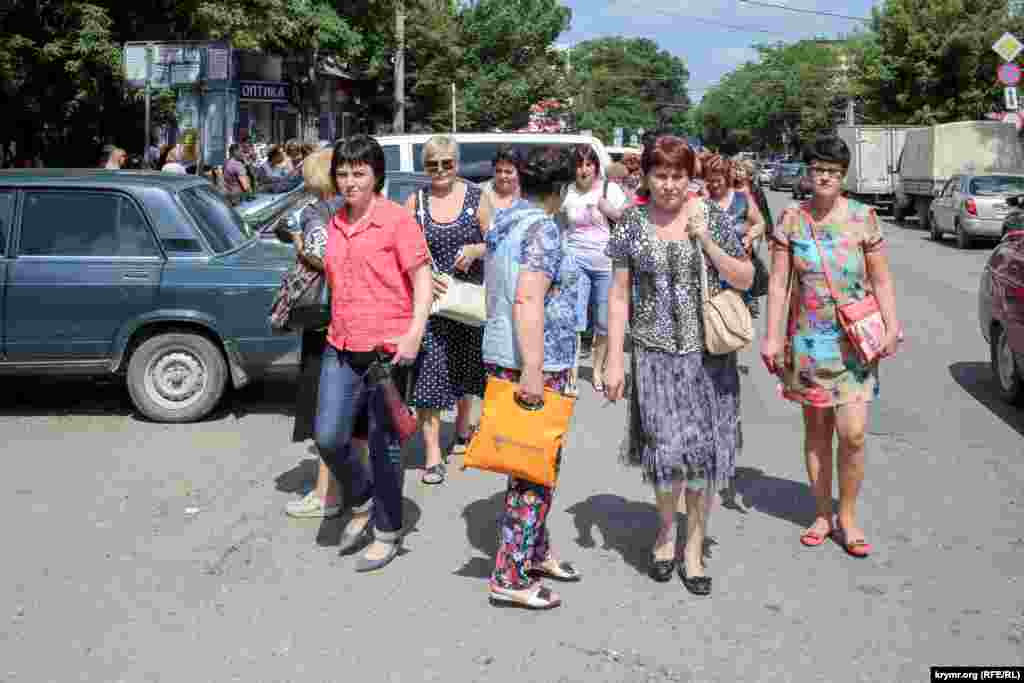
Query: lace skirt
{"x": 683, "y": 417}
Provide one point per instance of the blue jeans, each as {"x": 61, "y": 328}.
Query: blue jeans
{"x": 594, "y": 286}
{"x": 343, "y": 396}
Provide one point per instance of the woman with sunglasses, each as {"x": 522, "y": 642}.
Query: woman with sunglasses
{"x": 449, "y": 370}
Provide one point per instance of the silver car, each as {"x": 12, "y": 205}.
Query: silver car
{"x": 971, "y": 206}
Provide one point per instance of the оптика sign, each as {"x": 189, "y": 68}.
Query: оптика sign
{"x": 263, "y": 91}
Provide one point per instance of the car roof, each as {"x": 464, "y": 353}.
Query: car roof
{"x": 91, "y": 177}
{"x": 553, "y": 138}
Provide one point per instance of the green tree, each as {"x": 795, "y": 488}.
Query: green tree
{"x": 933, "y": 62}
{"x": 628, "y": 83}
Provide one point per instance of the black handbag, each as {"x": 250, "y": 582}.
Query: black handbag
{"x": 760, "y": 286}
{"x": 312, "y": 310}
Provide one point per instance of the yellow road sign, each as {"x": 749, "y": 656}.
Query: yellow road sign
{"x": 1008, "y": 47}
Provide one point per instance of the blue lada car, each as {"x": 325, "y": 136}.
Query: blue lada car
{"x": 148, "y": 276}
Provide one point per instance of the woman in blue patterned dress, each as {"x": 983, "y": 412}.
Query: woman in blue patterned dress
{"x": 684, "y": 403}
{"x": 530, "y": 338}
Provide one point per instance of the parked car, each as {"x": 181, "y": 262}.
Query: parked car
{"x": 786, "y": 176}
{"x": 147, "y": 276}
{"x": 263, "y": 217}
{"x": 1001, "y": 314}
{"x": 971, "y": 206}
{"x": 803, "y": 188}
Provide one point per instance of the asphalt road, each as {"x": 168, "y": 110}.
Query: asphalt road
{"x": 142, "y": 552}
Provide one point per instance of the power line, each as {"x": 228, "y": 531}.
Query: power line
{"x": 820, "y": 13}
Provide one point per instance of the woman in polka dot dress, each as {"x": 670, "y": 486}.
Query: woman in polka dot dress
{"x": 450, "y": 366}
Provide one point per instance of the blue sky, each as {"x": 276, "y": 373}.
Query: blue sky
{"x": 709, "y": 49}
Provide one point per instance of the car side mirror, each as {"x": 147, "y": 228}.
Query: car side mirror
{"x": 1014, "y": 201}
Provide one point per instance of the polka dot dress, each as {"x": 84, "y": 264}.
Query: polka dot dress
{"x": 450, "y": 364}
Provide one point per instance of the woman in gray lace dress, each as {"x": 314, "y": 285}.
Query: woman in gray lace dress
{"x": 684, "y": 402}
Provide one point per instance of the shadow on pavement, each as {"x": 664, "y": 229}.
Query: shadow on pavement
{"x": 84, "y": 396}
{"x": 977, "y": 380}
{"x": 482, "y": 518}
{"x": 784, "y": 499}
{"x": 300, "y": 479}
{"x": 627, "y": 527}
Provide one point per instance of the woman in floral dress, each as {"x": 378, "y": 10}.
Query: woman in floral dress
{"x": 819, "y": 367}
{"x": 530, "y": 338}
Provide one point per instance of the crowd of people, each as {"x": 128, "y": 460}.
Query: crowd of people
{"x": 562, "y": 245}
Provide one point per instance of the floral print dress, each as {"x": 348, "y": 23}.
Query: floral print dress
{"x": 822, "y": 368}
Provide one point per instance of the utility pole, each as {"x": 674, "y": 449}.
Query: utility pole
{"x": 399, "y": 124}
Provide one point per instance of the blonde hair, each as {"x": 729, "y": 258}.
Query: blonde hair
{"x": 316, "y": 171}
{"x": 439, "y": 144}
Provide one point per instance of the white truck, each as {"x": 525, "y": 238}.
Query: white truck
{"x": 932, "y": 155}
{"x": 874, "y": 153}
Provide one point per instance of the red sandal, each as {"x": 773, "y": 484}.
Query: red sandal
{"x": 812, "y": 538}
{"x": 858, "y": 547}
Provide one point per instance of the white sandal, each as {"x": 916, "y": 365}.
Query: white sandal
{"x": 538, "y": 597}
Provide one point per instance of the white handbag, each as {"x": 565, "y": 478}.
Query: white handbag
{"x": 728, "y": 325}
{"x": 463, "y": 302}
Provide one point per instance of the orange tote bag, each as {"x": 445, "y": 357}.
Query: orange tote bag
{"x": 517, "y": 439}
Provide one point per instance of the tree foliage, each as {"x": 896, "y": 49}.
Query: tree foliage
{"x": 628, "y": 83}
{"x": 932, "y": 62}
{"x": 790, "y": 94}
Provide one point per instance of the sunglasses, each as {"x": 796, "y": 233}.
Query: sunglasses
{"x": 826, "y": 172}
{"x": 433, "y": 166}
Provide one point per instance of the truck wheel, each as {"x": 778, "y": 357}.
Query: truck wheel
{"x": 897, "y": 212}
{"x": 176, "y": 377}
{"x": 924, "y": 212}
{"x": 1004, "y": 367}
{"x": 963, "y": 240}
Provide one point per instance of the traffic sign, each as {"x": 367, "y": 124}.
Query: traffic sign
{"x": 1009, "y": 74}
{"x": 1011, "y": 99}
{"x": 1008, "y": 47}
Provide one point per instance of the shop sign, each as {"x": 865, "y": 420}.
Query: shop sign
{"x": 264, "y": 91}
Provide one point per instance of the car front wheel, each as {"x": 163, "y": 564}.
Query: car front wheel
{"x": 1004, "y": 367}
{"x": 176, "y": 377}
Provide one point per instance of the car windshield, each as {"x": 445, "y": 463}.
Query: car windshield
{"x": 792, "y": 169}
{"x": 221, "y": 225}
{"x": 997, "y": 184}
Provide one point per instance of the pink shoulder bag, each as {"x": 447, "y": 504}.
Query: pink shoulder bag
{"x": 861, "y": 320}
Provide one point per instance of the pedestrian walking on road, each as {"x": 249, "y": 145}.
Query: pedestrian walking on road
{"x": 684, "y": 403}
{"x": 824, "y": 243}
{"x": 169, "y": 161}
{"x": 378, "y": 269}
{"x": 310, "y": 248}
{"x": 449, "y": 370}
{"x": 590, "y": 205}
{"x": 744, "y": 216}
{"x": 503, "y": 189}
{"x": 531, "y": 339}
{"x": 743, "y": 181}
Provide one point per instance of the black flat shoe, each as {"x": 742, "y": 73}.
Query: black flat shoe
{"x": 661, "y": 570}
{"x": 698, "y": 585}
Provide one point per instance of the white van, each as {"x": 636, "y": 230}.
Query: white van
{"x": 477, "y": 150}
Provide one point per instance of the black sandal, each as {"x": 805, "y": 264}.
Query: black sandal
{"x": 661, "y": 570}
{"x": 698, "y": 585}
{"x": 435, "y": 475}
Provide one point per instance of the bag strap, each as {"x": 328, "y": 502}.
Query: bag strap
{"x": 421, "y": 218}
{"x": 824, "y": 262}
{"x": 705, "y": 290}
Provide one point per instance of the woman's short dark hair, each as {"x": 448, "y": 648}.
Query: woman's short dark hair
{"x": 545, "y": 170}
{"x": 829, "y": 149}
{"x": 586, "y": 154}
{"x": 508, "y": 154}
{"x": 360, "y": 150}
{"x": 670, "y": 151}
